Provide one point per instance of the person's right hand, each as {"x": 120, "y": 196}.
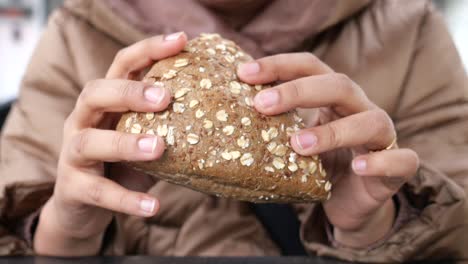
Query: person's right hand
{"x": 74, "y": 219}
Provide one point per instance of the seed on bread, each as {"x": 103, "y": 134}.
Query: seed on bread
{"x": 221, "y": 47}
{"x": 169, "y": 75}
{"x": 170, "y": 138}
{"x": 136, "y": 129}
{"x": 128, "y": 122}
{"x": 246, "y": 121}
{"x": 303, "y": 164}
{"x": 149, "y": 116}
{"x": 193, "y": 138}
{"x": 292, "y": 167}
{"x": 222, "y": 116}
{"x": 269, "y": 134}
{"x": 272, "y": 132}
{"x": 265, "y": 136}
{"x": 280, "y": 150}
{"x": 312, "y": 168}
{"x": 205, "y": 83}
{"x": 270, "y": 146}
{"x": 248, "y": 101}
{"x": 228, "y": 130}
{"x": 199, "y": 113}
{"x": 229, "y": 58}
{"x": 193, "y": 103}
{"x": 226, "y": 155}
{"x": 328, "y": 186}
{"x": 181, "y": 63}
{"x": 201, "y": 164}
{"x": 322, "y": 172}
{"x": 247, "y": 159}
{"x": 243, "y": 142}
{"x": 246, "y": 87}
{"x": 162, "y": 130}
{"x": 164, "y": 115}
{"x": 235, "y": 154}
{"x": 235, "y": 87}
{"x": 178, "y": 107}
{"x": 211, "y": 51}
{"x": 292, "y": 157}
{"x": 278, "y": 163}
{"x": 181, "y": 92}
{"x": 207, "y": 124}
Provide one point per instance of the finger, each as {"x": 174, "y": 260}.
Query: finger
{"x": 394, "y": 163}
{"x": 145, "y": 52}
{"x": 282, "y": 67}
{"x": 373, "y": 129}
{"x": 90, "y": 145}
{"x": 386, "y": 171}
{"x": 104, "y": 95}
{"x": 104, "y": 193}
{"x": 335, "y": 90}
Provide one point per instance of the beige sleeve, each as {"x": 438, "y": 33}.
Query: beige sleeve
{"x": 32, "y": 135}
{"x": 432, "y": 119}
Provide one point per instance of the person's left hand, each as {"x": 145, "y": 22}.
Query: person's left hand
{"x": 344, "y": 127}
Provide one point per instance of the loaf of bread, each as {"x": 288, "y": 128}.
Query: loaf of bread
{"x": 216, "y": 142}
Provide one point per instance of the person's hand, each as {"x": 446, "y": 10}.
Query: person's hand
{"x": 344, "y": 126}
{"x": 73, "y": 220}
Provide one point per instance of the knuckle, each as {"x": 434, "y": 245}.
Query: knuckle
{"x": 95, "y": 191}
{"x": 149, "y": 43}
{"x": 343, "y": 84}
{"x": 127, "y": 90}
{"x": 121, "y": 60}
{"x": 378, "y": 165}
{"x": 311, "y": 58}
{"x": 295, "y": 90}
{"x": 81, "y": 142}
{"x": 65, "y": 174}
{"x": 382, "y": 123}
{"x": 89, "y": 89}
{"x": 276, "y": 62}
{"x": 121, "y": 54}
{"x": 64, "y": 195}
{"x": 88, "y": 93}
{"x": 123, "y": 200}
{"x": 333, "y": 136}
{"x": 121, "y": 144}
{"x": 414, "y": 161}
{"x": 69, "y": 123}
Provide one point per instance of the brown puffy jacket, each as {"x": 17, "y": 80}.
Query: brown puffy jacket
{"x": 398, "y": 51}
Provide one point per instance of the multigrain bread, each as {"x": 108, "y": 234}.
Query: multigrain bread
{"x": 215, "y": 140}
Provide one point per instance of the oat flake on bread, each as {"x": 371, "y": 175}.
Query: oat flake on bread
{"x": 215, "y": 140}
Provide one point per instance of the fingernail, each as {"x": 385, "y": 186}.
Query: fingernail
{"x": 359, "y": 165}
{"x": 147, "y": 205}
{"x": 148, "y": 144}
{"x": 249, "y": 68}
{"x": 306, "y": 140}
{"x": 173, "y": 36}
{"x": 267, "y": 98}
{"x": 155, "y": 94}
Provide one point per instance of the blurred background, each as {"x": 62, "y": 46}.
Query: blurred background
{"x": 22, "y": 21}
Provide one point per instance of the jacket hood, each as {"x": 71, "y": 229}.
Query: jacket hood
{"x": 280, "y": 26}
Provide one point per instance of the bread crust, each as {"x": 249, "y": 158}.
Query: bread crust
{"x": 215, "y": 140}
